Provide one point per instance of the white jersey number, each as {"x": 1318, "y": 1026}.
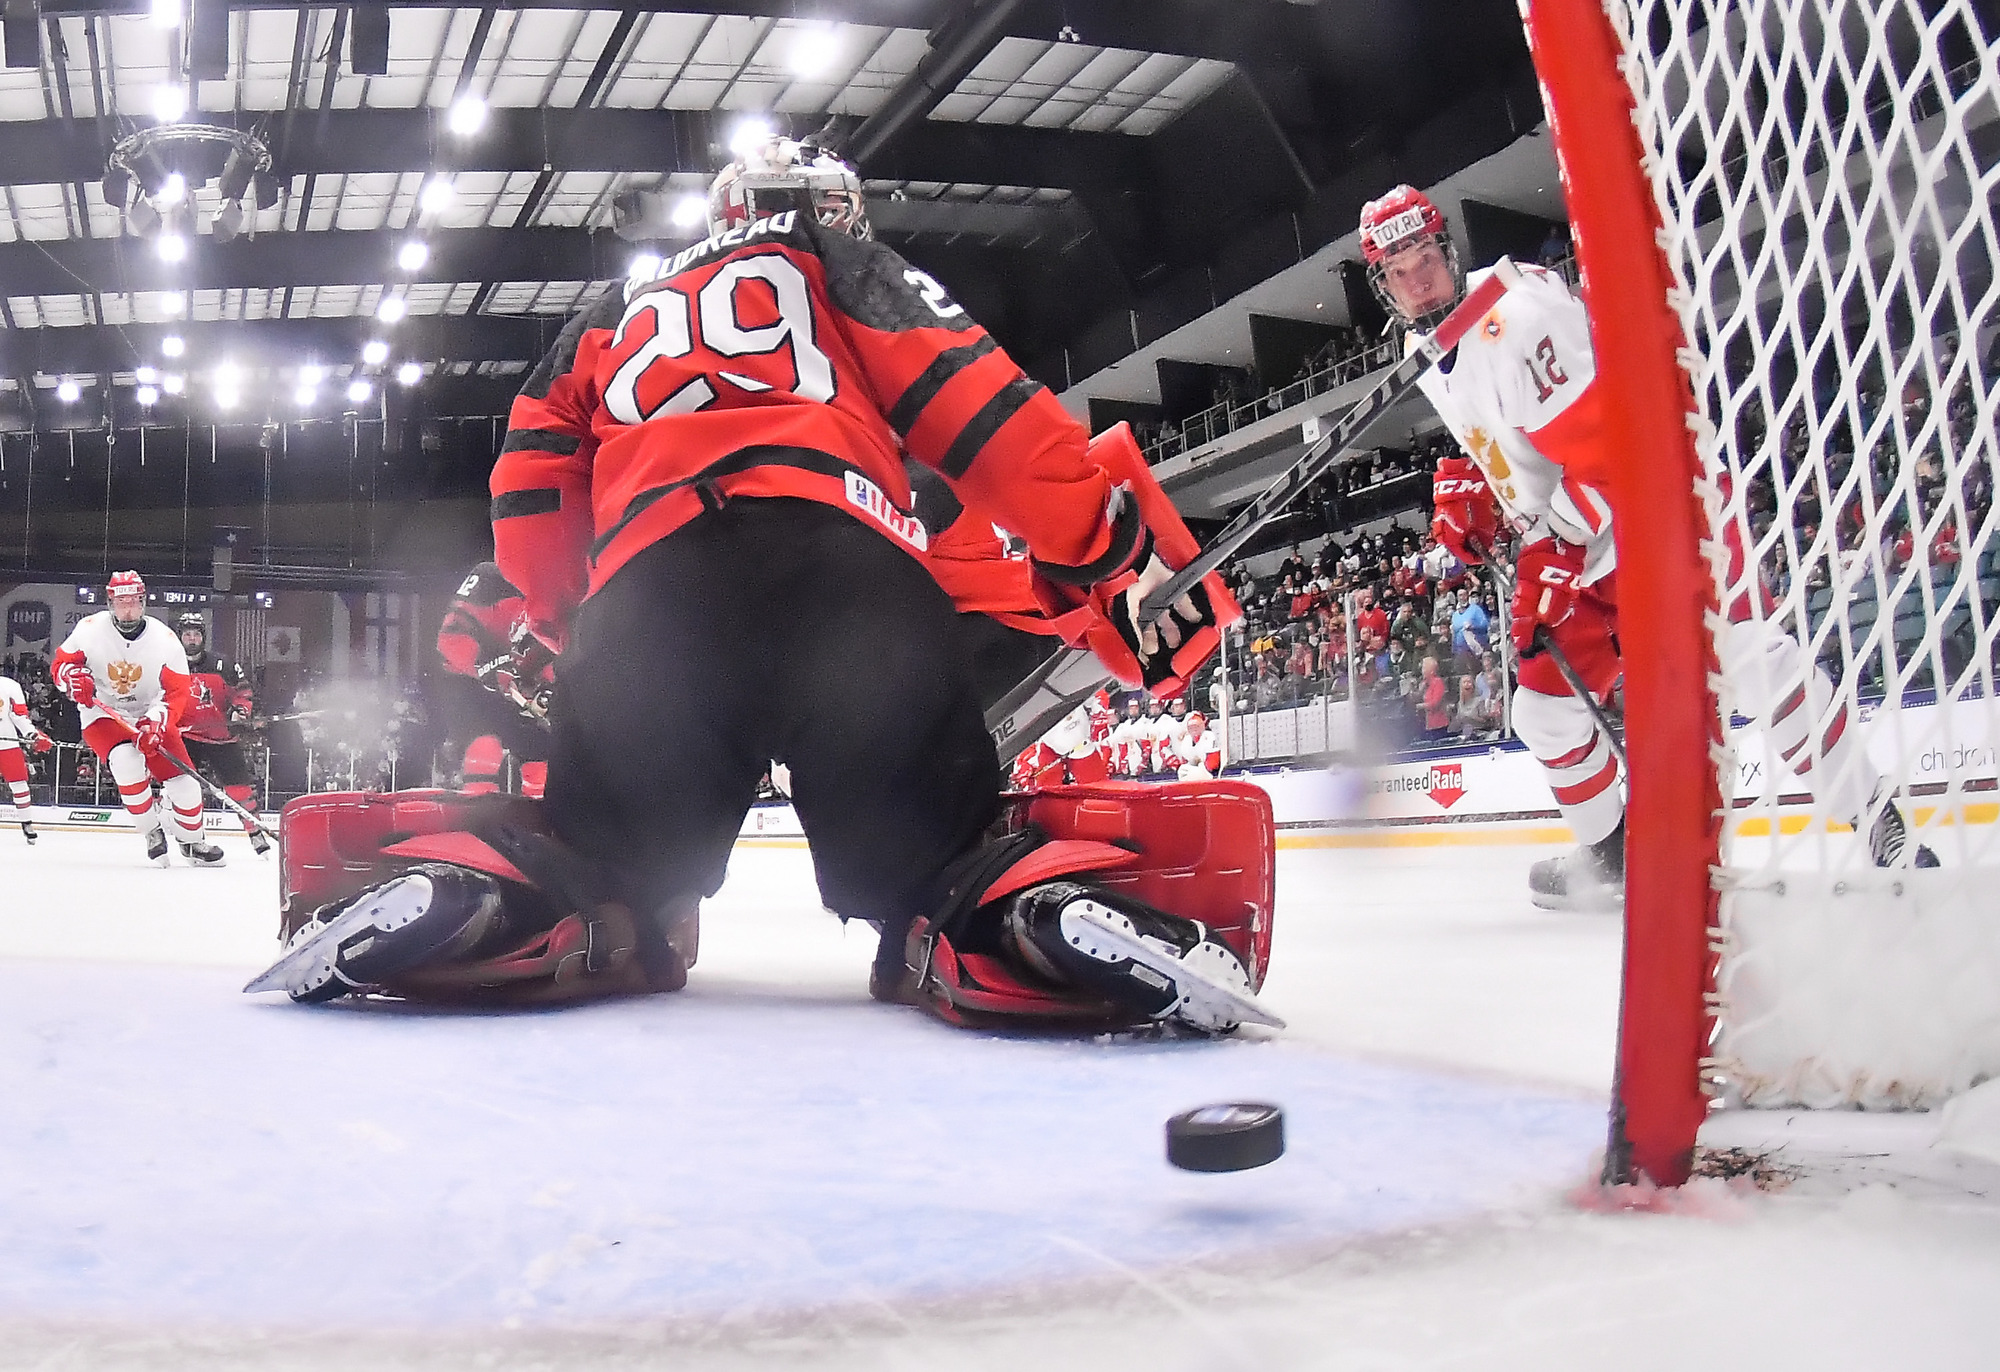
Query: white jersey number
{"x": 665, "y": 319}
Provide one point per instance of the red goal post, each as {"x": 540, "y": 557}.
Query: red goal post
{"x": 1674, "y": 814}
{"x": 1809, "y": 559}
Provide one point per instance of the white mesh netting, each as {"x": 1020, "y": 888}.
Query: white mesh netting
{"x": 1827, "y": 172}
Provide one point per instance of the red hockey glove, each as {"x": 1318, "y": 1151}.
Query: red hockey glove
{"x": 1464, "y": 517}
{"x": 74, "y": 680}
{"x": 153, "y": 732}
{"x": 43, "y": 743}
{"x": 1548, "y": 579}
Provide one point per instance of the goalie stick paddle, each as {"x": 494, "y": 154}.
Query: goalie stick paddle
{"x": 259, "y": 836}
{"x": 1071, "y": 676}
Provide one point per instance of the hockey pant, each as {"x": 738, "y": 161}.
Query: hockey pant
{"x": 1558, "y": 728}
{"x": 772, "y": 629}
{"x": 1195, "y": 851}
{"x": 339, "y": 844}
{"x": 117, "y": 748}
{"x": 14, "y": 771}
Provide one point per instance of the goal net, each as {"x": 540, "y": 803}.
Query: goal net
{"x": 1785, "y": 212}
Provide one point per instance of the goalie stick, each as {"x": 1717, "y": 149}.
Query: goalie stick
{"x": 259, "y": 836}
{"x": 1071, "y": 675}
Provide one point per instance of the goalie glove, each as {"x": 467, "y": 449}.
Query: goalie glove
{"x": 1148, "y": 544}
{"x": 1548, "y": 581}
{"x": 1463, "y": 516}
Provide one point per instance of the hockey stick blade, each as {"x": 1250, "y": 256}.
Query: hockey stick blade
{"x": 1189, "y": 981}
{"x": 1368, "y": 411}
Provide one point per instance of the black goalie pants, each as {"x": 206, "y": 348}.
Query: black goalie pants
{"x": 772, "y": 629}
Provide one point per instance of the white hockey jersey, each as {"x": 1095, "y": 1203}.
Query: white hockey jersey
{"x": 1517, "y": 396}
{"x": 133, "y": 676}
{"x": 15, "y": 726}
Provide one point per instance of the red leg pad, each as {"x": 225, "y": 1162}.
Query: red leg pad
{"x": 335, "y": 843}
{"x": 1203, "y": 850}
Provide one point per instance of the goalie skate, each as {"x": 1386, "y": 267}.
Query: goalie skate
{"x": 381, "y": 932}
{"x": 1210, "y": 990}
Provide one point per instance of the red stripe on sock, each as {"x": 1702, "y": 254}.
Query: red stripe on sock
{"x": 1792, "y": 702}
{"x": 1574, "y": 755}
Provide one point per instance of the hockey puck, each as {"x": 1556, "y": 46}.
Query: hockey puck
{"x": 1226, "y": 1138}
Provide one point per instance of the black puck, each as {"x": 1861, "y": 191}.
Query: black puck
{"x": 1227, "y": 1137}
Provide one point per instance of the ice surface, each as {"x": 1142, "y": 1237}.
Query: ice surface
{"x": 771, "y": 1168}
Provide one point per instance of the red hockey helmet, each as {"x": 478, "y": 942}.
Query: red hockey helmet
{"x": 124, "y": 583}
{"x": 1392, "y": 224}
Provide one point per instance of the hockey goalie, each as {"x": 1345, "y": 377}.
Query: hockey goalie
{"x": 704, "y": 504}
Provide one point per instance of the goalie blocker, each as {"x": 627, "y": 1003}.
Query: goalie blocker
{"x": 1092, "y": 907}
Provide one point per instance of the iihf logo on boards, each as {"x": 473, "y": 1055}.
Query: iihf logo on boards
{"x": 1447, "y": 783}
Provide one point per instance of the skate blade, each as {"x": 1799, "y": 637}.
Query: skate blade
{"x": 290, "y": 968}
{"x": 1244, "y": 1007}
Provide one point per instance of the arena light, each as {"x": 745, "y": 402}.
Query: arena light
{"x": 310, "y": 375}
{"x": 391, "y": 309}
{"x": 410, "y": 373}
{"x": 173, "y": 302}
{"x": 173, "y": 345}
{"x": 68, "y": 391}
{"x": 374, "y": 352}
{"x": 172, "y": 247}
{"x": 644, "y": 267}
{"x": 228, "y": 377}
{"x": 173, "y": 383}
{"x": 227, "y": 400}
{"x": 305, "y": 395}
{"x": 749, "y": 134}
{"x": 413, "y": 254}
{"x": 435, "y": 196}
{"x": 814, "y": 49}
{"x": 172, "y": 191}
{"x": 146, "y": 376}
{"x": 358, "y": 391}
{"x": 468, "y": 115}
{"x": 690, "y": 210}
{"x": 167, "y": 13}
{"x": 149, "y": 395}
{"x": 169, "y": 104}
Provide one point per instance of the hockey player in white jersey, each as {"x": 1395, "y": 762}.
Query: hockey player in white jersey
{"x": 16, "y": 730}
{"x": 128, "y": 675}
{"x": 1517, "y": 396}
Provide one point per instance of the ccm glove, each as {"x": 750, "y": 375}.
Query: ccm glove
{"x": 1548, "y": 581}
{"x": 1464, "y": 516}
{"x": 153, "y": 734}
{"x": 74, "y": 680}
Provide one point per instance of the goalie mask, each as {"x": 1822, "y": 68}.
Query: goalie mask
{"x": 1412, "y": 265}
{"x": 783, "y": 174}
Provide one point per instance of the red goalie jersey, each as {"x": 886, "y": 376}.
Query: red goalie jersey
{"x": 778, "y": 359}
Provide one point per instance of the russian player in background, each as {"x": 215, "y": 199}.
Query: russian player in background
{"x": 219, "y": 700}
{"x": 1517, "y": 395}
{"x": 128, "y": 675}
{"x": 702, "y": 499}
{"x": 17, "y": 729}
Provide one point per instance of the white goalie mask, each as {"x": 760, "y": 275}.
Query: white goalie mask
{"x": 783, "y": 174}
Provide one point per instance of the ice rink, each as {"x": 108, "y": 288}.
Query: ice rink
{"x": 770, "y": 1168}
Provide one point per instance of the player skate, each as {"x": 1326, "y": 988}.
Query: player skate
{"x": 158, "y": 851}
{"x": 358, "y": 944}
{"x": 202, "y": 853}
{"x": 28, "y": 831}
{"x": 1889, "y": 836}
{"x": 1591, "y": 878}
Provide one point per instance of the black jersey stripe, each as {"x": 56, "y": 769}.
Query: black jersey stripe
{"x": 916, "y": 398}
{"x": 552, "y": 441}
{"x": 979, "y": 430}
{"x": 515, "y": 504}
{"x": 742, "y": 460}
